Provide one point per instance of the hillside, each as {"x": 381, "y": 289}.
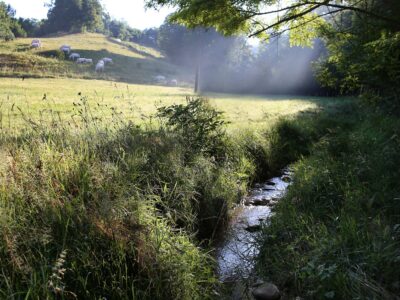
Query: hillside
{"x": 133, "y": 63}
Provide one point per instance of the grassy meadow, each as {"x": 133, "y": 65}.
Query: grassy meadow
{"x": 42, "y": 99}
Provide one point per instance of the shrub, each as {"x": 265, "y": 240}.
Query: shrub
{"x": 198, "y": 124}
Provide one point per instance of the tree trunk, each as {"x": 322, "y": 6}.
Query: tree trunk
{"x": 196, "y": 81}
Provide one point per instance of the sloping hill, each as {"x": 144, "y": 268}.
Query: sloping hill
{"x": 132, "y": 62}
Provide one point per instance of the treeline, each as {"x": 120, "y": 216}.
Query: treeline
{"x": 71, "y": 16}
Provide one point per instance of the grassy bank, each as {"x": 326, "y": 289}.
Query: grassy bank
{"x": 117, "y": 209}
{"x": 336, "y": 233}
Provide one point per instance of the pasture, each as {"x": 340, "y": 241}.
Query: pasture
{"x": 133, "y": 63}
{"x": 40, "y": 99}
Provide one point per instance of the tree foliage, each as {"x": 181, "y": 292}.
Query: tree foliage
{"x": 9, "y": 26}
{"x": 119, "y": 29}
{"x": 75, "y": 16}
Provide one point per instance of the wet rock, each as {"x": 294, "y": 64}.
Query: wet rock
{"x": 253, "y": 228}
{"x": 260, "y": 202}
{"x": 258, "y": 283}
{"x": 266, "y": 188}
{"x": 271, "y": 183}
{"x": 266, "y": 291}
{"x": 286, "y": 178}
{"x": 249, "y": 201}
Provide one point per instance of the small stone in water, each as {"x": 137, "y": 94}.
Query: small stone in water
{"x": 266, "y": 188}
{"x": 267, "y": 291}
{"x": 253, "y": 228}
{"x": 286, "y": 179}
{"x": 260, "y": 202}
{"x": 271, "y": 183}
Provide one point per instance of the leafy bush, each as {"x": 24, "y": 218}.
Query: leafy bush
{"x": 198, "y": 124}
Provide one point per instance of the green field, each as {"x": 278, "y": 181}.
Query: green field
{"x": 132, "y": 62}
{"x": 39, "y": 98}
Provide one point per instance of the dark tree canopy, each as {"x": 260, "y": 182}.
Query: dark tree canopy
{"x": 75, "y": 15}
{"x": 261, "y": 17}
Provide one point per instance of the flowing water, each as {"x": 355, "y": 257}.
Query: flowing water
{"x": 237, "y": 253}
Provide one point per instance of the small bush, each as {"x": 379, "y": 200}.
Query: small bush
{"x": 198, "y": 124}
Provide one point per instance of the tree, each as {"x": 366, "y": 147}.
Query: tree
{"x": 74, "y": 15}
{"x": 32, "y": 27}
{"x": 263, "y": 17}
{"x": 9, "y": 26}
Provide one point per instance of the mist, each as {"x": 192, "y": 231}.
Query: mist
{"x": 233, "y": 65}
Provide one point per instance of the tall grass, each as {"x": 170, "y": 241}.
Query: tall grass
{"x": 100, "y": 212}
{"x": 94, "y": 207}
{"x": 336, "y": 233}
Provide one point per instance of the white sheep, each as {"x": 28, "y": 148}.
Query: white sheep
{"x": 107, "y": 60}
{"x": 66, "y": 49}
{"x": 74, "y": 56}
{"x": 100, "y": 66}
{"x": 173, "y": 82}
{"x": 81, "y": 60}
{"x": 160, "y": 79}
{"x": 35, "y": 45}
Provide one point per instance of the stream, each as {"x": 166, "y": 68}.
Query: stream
{"x": 236, "y": 255}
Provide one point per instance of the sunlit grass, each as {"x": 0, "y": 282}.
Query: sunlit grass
{"x": 132, "y": 62}
{"x": 39, "y": 98}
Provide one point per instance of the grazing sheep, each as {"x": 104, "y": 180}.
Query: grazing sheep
{"x": 173, "y": 82}
{"x": 74, "y": 56}
{"x": 36, "y": 44}
{"x": 100, "y": 66}
{"x": 66, "y": 49}
{"x": 107, "y": 60}
{"x": 160, "y": 79}
{"x": 81, "y": 60}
